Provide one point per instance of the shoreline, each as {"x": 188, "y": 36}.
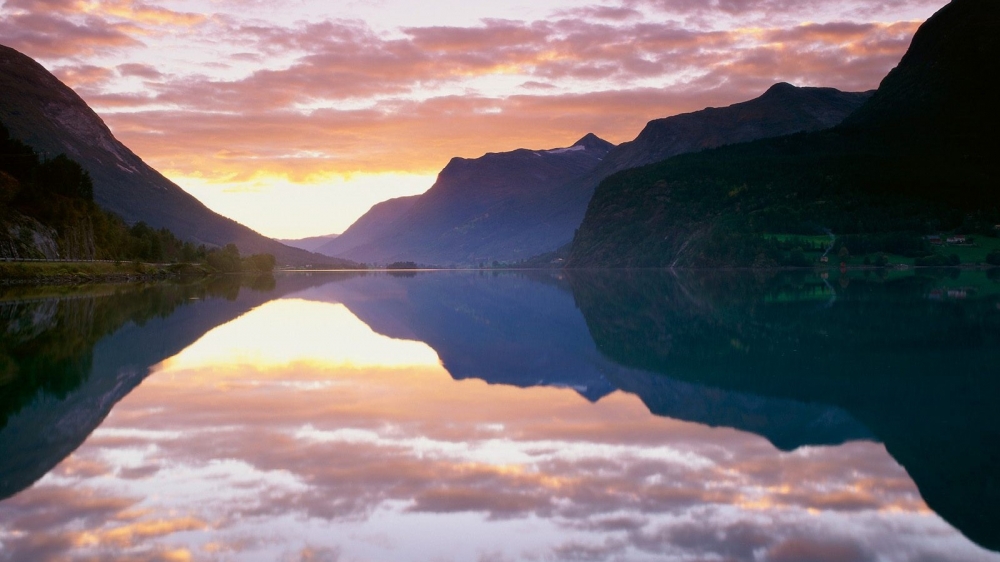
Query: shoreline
{"x": 81, "y": 273}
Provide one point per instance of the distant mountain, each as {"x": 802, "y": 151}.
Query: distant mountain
{"x": 524, "y": 229}
{"x": 369, "y": 226}
{"x": 44, "y": 113}
{"x": 310, "y": 244}
{"x": 916, "y": 158}
{"x": 496, "y": 207}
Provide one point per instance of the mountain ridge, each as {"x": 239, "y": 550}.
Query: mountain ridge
{"x": 479, "y": 209}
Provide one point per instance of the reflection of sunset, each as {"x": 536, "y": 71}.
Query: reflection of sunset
{"x": 293, "y": 331}
{"x": 329, "y": 441}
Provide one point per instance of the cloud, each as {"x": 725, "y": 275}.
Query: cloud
{"x": 145, "y": 71}
{"x": 261, "y": 115}
{"x": 53, "y": 37}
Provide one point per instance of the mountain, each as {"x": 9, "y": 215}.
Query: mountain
{"x": 44, "y": 113}
{"x": 495, "y": 207}
{"x": 310, "y": 244}
{"x": 368, "y": 227}
{"x": 941, "y": 85}
{"x": 545, "y": 225}
{"x": 915, "y": 159}
{"x": 782, "y": 110}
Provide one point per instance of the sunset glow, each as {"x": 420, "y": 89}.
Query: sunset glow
{"x": 274, "y": 114}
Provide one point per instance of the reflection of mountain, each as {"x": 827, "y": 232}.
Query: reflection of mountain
{"x": 921, "y": 375}
{"x": 65, "y": 362}
{"x": 514, "y": 330}
{"x": 503, "y": 329}
{"x": 783, "y": 357}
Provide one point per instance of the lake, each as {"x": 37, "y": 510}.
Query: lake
{"x": 502, "y": 416}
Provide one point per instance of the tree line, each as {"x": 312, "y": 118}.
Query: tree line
{"x": 58, "y": 193}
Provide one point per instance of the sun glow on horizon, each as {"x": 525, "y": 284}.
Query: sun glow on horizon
{"x": 320, "y": 205}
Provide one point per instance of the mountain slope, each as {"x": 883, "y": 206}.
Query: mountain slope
{"x": 942, "y": 83}
{"x": 490, "y": 208}
{"x": 915, "y": 159}
{"x": 368, "y": 226}
{"x": 309, "y": 244}
{"x": 44, "y": 113}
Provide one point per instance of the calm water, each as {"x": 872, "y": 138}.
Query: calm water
{"x": 499, "y": 417}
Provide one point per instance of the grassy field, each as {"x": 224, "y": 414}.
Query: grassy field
{"x": 975, "y": 253}
{"x": 817, "y": 240}
{"x": 968, "y": 254}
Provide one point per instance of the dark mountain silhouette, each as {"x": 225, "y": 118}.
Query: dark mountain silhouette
{"x": 44, "y": 113}
{"x": 525, "y": 224}
{"x": 941, "y": 85}
{"x": 495, "y": 207}
{"x": 916, "y": 157}
{"x": 920, "y": 375}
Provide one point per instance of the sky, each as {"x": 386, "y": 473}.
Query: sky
{"x": 295, "y": 117}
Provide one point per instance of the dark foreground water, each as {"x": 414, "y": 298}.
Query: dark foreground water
{"x": 498, "y": 417}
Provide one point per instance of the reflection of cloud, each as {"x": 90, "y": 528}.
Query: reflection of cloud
{"x": 319, "y": 555}
{"x": 801, "y": 550}
{"x": 274, "y": 465}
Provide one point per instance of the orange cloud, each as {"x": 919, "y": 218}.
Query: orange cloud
{"x": 260, "y": 117}
{"x": 143, "y": 13}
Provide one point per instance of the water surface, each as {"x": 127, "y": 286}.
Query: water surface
{"x": 471, "y": 416}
